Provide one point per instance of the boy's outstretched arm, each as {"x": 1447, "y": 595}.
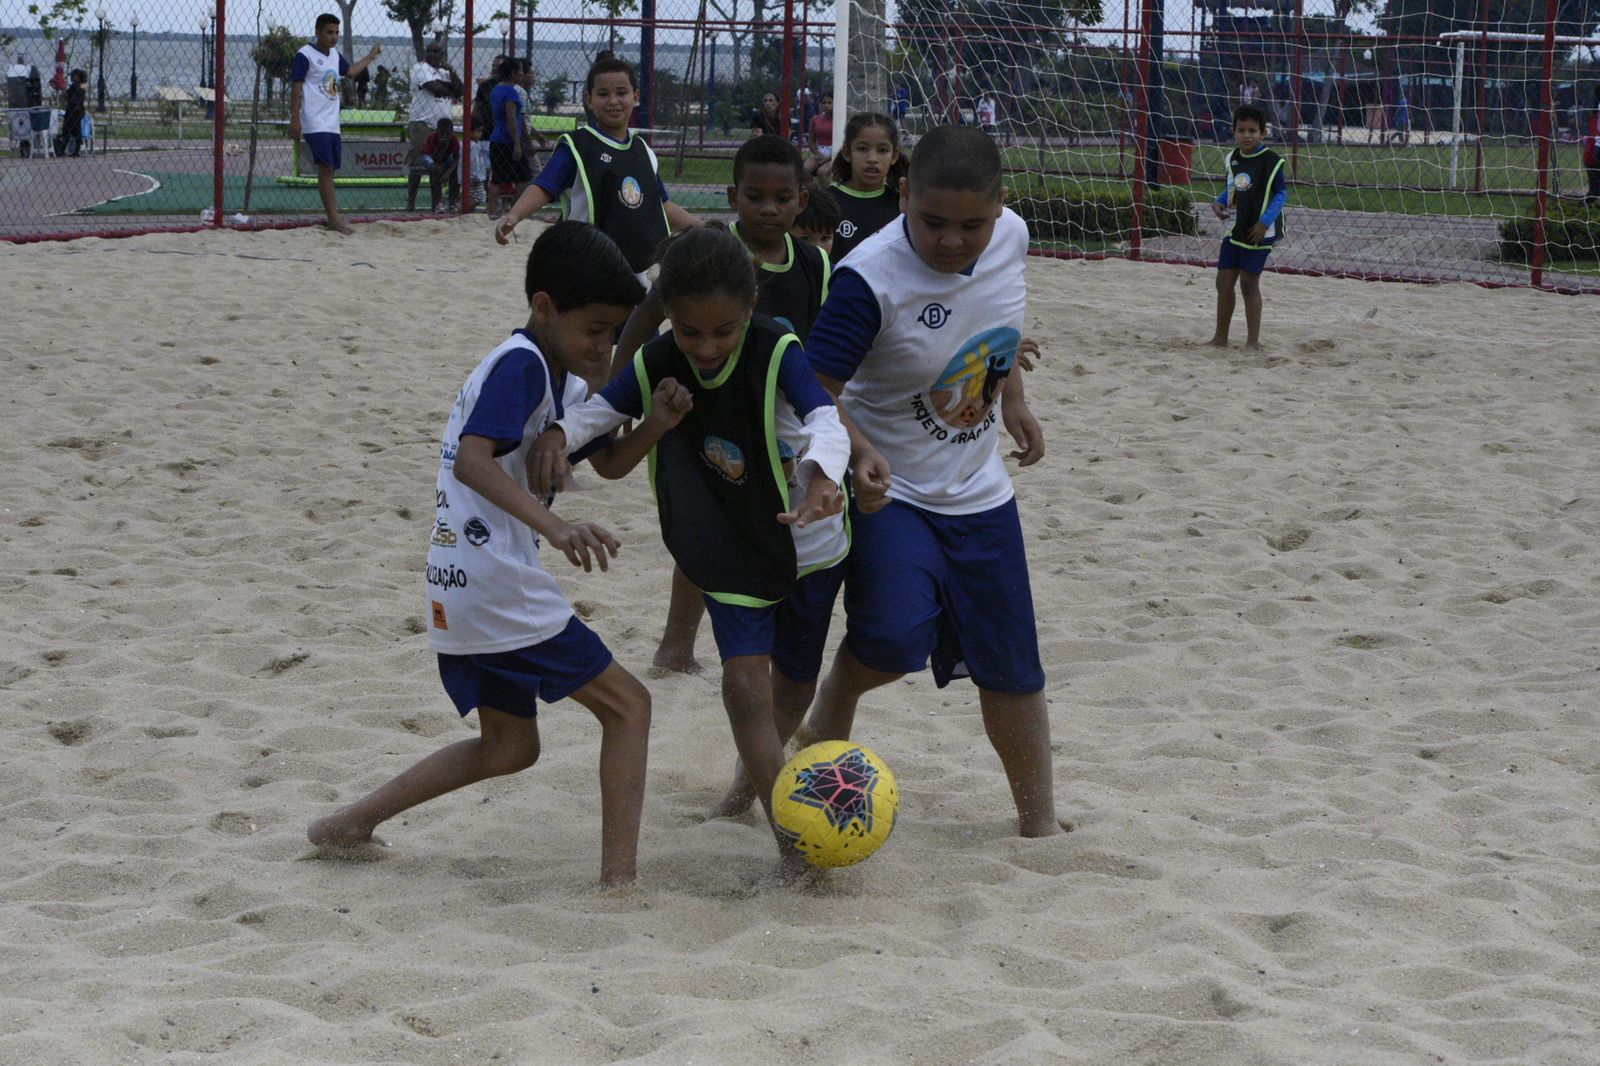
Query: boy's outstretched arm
{"x": 584, "y": 543}
{"x": 822, "y": 499}
{"x": 1020, "y": 423}
{"x": 679, "y": 219}
{"x": 365, "y": 61}
{"x": 533, "y": 199}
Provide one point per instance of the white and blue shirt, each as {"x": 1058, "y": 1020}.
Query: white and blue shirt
{"x": 924, "y": 356}
{"x": 486, "y": 589}
{"x": 319, "y": 102}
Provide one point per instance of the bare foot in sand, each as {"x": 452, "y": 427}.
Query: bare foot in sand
{"x": 1252, "y": 346}
{"x": 1051, "y": 828}
{"x": 339, "y": 830}
{"x": 340, "y": 227}
{"x": 1218, "y": 341}
{"x": 677, "y": 659}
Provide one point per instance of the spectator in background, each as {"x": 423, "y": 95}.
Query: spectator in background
{"x": 766, "y": 118}
{"x": 433, "y": 86}
{"x": 71, "y": 140}
{"x": 820, "y": 138}
{"x": 482, "y": 127}
{"x": 380, "y": 86}
{"x": 442, "y": 156}
{"x": 362, "y": 80}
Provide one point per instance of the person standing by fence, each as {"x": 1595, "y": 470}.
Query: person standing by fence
{"x": 433, "y": 86}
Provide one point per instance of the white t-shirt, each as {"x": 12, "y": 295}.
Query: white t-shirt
{"x": 319, "y": 101}
{"x": 426, "y": 107}
{"x": 486, "y": 589}
{"x": 927, "y": 392}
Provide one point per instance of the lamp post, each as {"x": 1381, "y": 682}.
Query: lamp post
{"x": 133, "y": 78}
{"x": 100, "y": 90}
{"x": 204, "y": 54}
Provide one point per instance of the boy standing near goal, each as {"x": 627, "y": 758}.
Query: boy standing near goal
{"x": 316, "y": 74}
{"x": 918, "y": 339}
{"x": 1254, "y": 194}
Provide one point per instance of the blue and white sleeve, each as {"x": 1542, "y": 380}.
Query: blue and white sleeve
{"x": 826, "y": 441}
{"x": 599, "y": 415}
{"x": 846, "y": 327}
{"x": 1280, "y": 196}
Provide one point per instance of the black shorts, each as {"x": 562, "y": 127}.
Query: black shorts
{"x": 504, "y": 166}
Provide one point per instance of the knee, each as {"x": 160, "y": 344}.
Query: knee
{"x": 628, "y": 708}
{"x": 511, "y": 756}
{"x": 1251, "y": 284}
{"x": 1225, "y": 280}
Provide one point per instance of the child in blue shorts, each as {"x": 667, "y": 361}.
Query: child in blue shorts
{"x": 747, "y": 484}
{"x": 317, "y": 73}
{"x": 504, "y": 633}
{"x": 919, "y": 340}
{"x": 1254, "y": 193}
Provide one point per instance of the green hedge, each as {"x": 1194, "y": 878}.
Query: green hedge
{"x": 1571, "y": 232}
{"x": 1093, "y": 212}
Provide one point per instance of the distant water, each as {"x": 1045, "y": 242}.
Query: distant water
{"x": 174, "y": 59}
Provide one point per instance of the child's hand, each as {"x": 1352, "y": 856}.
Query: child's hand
{"x": 503, "y": 227}
{"x": 375, "y": 50}
{"x": 870, "y": 480}
{"x": 1220, "y": 211}
{"x": 1027, "y": 352}
{"x": 547, "y": 462}
{"x": 1024, "y": 429}
{"x": 1258, "y": 233}
{"x": 669, "y": 403}
{"x": 822, "y": 500}
{"x": 579, "y": 542}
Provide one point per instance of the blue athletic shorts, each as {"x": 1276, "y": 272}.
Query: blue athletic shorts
{"x": 953, "y": 588}
{"x": 327, "y": 150}
{"x": 792, "y": 632}
{"x": 509, "y": 681}
{"x": 1245, "y": 260}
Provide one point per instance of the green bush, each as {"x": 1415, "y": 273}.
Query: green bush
{"x": 1094, "y": 212}
{"x": 1571, "y": 233}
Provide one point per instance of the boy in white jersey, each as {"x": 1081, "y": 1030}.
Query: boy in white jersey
{"x": 503, "y": 632}
{"x": 918, "y": 340}
{"x": 316, "y": 75}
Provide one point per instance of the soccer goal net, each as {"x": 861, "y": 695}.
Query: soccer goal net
{"x": 1421, "y": 140}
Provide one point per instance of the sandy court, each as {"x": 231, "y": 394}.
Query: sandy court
{"x": 1320, "y": 628}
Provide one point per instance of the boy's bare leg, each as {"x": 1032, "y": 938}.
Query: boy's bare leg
{"x": 676, "y": 650}
{"x": 505, "y": 744}
{"x": 1226, "y": 279}
{"x": 834, "y": 713}
{"x": 747, "y": 696}
{"x": 1019, "y": 729}
{"x": 1251, "y": 284}
{"x": 622, "y": 706}
{"x": 789, "y": 702}
{"x": 330, "y": 200}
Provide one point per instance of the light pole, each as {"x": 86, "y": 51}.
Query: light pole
{"x": 100, "y": 91}
{"x": 203, "y": 53}
{"x": 133, "y": 78}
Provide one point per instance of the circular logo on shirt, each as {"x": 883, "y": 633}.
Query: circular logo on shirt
{"x": 1241, "y": 182}
{"x": 476, "y": 531}
{"x": 630, "y": 193}
{"x": 847, "y": 229}
{"x": 965, "y": 393}
{"x": 724, "y": 457}
{"x": 934, "y": 316}
{"x": 329, "y": 85}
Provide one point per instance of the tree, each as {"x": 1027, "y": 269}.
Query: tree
{"x": 555, "y": 93}
{"x": 418, "y": 15}
{"x": 993, "y": 39}
{"x": 275, "y": 55}
{"x": 63, "y": 18}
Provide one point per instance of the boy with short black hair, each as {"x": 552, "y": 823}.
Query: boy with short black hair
{"x": 1254, "y": 192}
{"x": 315, "y": 112}
{"x": 504, "y": 634}
{"x": 818, "y": 219}
{"x": 918, "y": 340}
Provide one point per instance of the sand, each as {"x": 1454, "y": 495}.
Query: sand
{"x": 1320, "y": 628}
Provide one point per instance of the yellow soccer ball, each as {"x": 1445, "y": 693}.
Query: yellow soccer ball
{"x": 835, "y": 802}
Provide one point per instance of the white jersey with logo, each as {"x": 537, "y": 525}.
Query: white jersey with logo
{"x": 927, "y": 393}
{"x": 486, "y": 589}
{"x": 319, "y": 100}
